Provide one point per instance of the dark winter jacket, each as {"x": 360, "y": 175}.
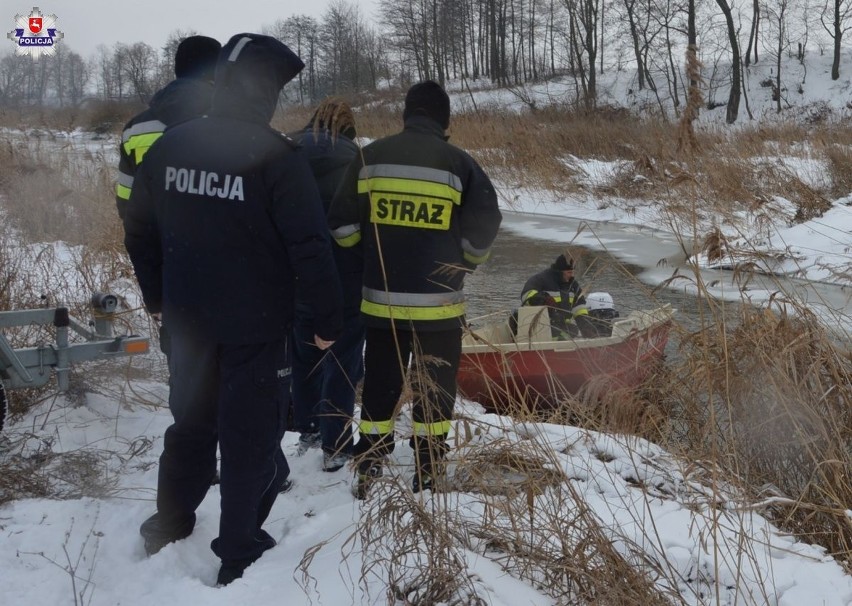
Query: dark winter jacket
{"x": 179, "y": 101}
{"x": 568, "y": 299}
{"x": 225, "y": 218}
{"x": 328, "y": 158}
{"x": 423, "y": 211}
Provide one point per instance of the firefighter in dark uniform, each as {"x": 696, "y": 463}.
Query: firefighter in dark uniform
{"x": 424, "y": 213}
{"x": 224, "y": 221}
{"x": 187, "y": 96}
{"x": 556, "y": 288}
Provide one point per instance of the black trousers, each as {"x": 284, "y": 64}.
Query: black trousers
{"x": 431, "y": 361}
{"x": 235, "y": 396}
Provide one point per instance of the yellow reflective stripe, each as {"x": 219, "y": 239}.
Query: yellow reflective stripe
{"x": 409, "y": 187}
{"x": 582, "y": 312}
{"x": 350, "y": 240}
{"x": 143, "y": 128}
{"x": 412, "y": 299}
{"x": 375, "y": 428}
{"x": 415, "y": 211}
{"x": 476, "y": 260}
{"x": 407, "y": 171}
{"x": 529, "y": 295}
{"x": 438, "y": 428}
{"x": 138, "y": 145}
{"x": 347, "y": 235}
{"x": 122, "y": 191}
{"x": 400, "y": 312}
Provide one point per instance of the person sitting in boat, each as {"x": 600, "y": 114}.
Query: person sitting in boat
{"x": 557, "y": 289}
{"x": 602, "y": 313}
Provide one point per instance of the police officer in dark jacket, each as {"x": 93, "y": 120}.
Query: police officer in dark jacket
{"x": 324, "y": 382}
{"x": 424, "y": 213}
{"x": 224, "y": 220}
{"x": 556, "y": 288}
{"x": 187, "y": 96}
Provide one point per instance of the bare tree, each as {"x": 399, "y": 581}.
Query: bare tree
{"x": 70, "y": 76}
{"x": 838, "y": 11}
{"x": 300, "y": 32}
{"x": 583, "y": 45}
{"x": 753, "y": 33}
{"x": 140, "y": 68}
{"x": 777, "y": 13}
{"x": 13, "y": 69}
{"x": 733, "y": 106}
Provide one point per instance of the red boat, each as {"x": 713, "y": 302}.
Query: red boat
{"x": 500, "y": 370}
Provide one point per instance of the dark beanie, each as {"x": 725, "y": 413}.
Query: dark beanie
{"x": 196, "y": 57}
{"x": 429, "y": 99}
{"x": 563, "y": 263}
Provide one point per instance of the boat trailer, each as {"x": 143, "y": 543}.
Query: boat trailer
{"x": 33, "y": 366}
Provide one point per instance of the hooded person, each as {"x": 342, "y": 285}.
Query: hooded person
{"x": 556, "y": 288}
{"x": 324, "y": 384}
{"x": 224, "y": 220}
{"x": 187, "y": 96}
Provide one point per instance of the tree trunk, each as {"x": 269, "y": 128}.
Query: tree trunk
{"x": 634, "y": 34}
{"x": 838, "y": 35}
{"x": 734, "y": 96}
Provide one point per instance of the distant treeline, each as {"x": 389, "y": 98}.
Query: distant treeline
{"x": 505, "y": 42}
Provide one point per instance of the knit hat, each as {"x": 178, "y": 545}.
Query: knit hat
{"x": 196, "y": 57}
{"x": 563, "y": 263}
{"x": 429, "y": 99}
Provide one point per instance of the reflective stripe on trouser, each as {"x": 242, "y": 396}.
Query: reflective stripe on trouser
{"x": 434, "y": 365}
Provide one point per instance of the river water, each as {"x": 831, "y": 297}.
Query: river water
{"x": 628, "y": 262}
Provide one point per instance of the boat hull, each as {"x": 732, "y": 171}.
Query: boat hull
{"x": 540, "y": 375}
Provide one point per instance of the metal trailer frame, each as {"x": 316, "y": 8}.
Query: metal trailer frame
{"x": 31, "y": 366}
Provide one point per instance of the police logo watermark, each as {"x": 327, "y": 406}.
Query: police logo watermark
{"x": 35, "y": 35}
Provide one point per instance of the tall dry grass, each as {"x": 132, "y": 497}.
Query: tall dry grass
{"x": 763, "y": 399}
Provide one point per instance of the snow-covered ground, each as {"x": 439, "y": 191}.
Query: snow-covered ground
{"x": 705, "y": 545}
{"x": 708, "y": 546}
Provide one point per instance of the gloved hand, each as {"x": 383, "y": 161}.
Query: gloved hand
{"x": 549, "y": 301}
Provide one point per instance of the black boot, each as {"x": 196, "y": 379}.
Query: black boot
{"x": 430, "y": 470}
{"x": 365, "y": 475}
{"x": 157, "y": 532}
{"x": 231, "y": 570}
{"x": 369, "y": 454}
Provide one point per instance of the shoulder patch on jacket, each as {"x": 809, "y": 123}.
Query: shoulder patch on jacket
{"x": 290, "y": 141}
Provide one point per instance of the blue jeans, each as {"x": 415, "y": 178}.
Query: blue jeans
{"x": 324, "y": 383}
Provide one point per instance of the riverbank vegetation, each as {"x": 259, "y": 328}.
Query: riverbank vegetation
{"x": 761, "y": 403}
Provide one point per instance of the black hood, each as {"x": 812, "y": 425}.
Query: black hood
{"x": 250, "y": 74}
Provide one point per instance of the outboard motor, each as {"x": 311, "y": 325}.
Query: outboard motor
{"x": 602, "y": 313}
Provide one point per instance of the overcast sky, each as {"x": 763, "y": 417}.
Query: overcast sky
{"x": 88, "y": 23}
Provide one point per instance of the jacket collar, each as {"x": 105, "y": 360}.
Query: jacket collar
{"x": 424, "y": 125}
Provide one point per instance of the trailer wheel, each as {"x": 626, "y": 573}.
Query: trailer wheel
{"x": 4, "y": 405}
